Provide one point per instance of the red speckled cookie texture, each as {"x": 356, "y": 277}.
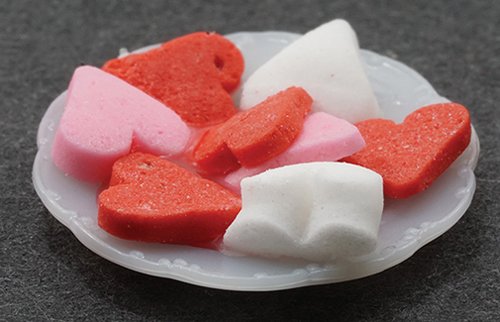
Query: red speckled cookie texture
{"x": 411, "y": 155}
{"x": 153, "y": 200}
{"x": 256, "y": 135}
{"x": 193, "y": 75}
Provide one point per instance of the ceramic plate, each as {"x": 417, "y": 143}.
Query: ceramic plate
{"x": 406, "y": 225}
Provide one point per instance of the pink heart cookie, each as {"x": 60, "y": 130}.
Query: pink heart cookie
{"x": 104, "y": 118}
{"x": 323, "y": 138}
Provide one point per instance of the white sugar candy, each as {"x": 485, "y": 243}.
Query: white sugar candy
{"x": 317, "y": 211}
{"x": 326, "y": 62}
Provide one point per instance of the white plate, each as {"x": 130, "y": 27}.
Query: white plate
{"x": 406, "y": 225}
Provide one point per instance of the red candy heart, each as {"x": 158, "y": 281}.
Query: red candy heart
{"x": 193, "y": 75}
{"x": 256, "y": 135}
{"x": 153, "y": 200}
{"x": 411, "y": 155}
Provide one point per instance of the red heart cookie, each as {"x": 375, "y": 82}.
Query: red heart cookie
{"x": 153, "y": 200}
{"x": 256, "y": 135}
{"x": 193, "y": 75}
{"x": 411, "y": 155}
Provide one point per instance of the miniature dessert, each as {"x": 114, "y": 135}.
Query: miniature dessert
{"x": 411, "y": 155}
{"x": 256, "y": 135}
{"x": 104, "y": 118}
{"x": 293, "y": 205}
{"x": 153, "y": 200}
{"x": 405, "y": 227}
{"x": 193, "y": 75}
{"x": 323, "y": 138}
{"x": 317, "y": 211}
{"x": 325, "y": 62}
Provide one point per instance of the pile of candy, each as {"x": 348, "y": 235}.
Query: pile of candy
{"x": 299, "y": 168}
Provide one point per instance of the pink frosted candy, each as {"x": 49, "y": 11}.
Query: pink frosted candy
{"x": 323, "y": 138}
{"x": 104, "y": 118}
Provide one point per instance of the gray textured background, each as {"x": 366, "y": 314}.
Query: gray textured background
{"x": 47, "y": 275}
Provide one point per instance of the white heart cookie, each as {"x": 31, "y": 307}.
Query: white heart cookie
{"x": 326, "y": 62}
{"x": 317, "y": 211}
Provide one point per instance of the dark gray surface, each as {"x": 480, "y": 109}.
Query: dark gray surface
{"x": 47, "y": 275}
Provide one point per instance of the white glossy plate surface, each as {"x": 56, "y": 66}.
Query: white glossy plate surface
{"x": 406, "y": 225}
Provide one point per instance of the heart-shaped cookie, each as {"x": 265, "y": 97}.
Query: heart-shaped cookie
{"x": 104, "y": 118}
{"x": 193, "y": 75}
{"x": 318, "y": 211}
{"x": 256, "y": 135}
{"x": 411, "y": 155}
{"x": 323, "y": 138}
{"x": 326, "y": 62}
{"x": 153, "y": 200}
